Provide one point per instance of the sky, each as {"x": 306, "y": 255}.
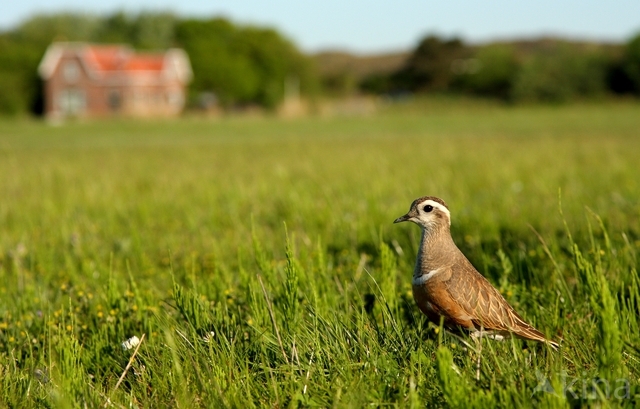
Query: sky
{"x": 369, "y": 26}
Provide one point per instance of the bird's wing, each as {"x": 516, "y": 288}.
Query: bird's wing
{"x": 485, "y": 305}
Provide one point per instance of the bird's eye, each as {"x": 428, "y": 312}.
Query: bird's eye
{"x": 428, "y": 208}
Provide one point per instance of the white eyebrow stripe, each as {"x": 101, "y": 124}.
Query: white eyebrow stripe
{"x": 420, "y": 280}
{"x": 438, "y": 206}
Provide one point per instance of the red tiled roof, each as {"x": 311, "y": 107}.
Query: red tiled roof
{"x": 119, "y": 58}
{"x": 117, "y": 62}
{"x": 145, "y": 63}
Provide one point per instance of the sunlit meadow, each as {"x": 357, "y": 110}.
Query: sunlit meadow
{"x": 258, "y": 258}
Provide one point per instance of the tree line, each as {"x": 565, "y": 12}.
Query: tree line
{"x": 542, "y": 71}
{"x": 244, "y": 65}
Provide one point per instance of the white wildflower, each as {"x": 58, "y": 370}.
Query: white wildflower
{"x": 130, "y": 343}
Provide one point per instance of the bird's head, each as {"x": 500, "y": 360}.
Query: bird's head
{"x": 428, "y": 212}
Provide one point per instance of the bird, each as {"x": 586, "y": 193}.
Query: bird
{"x": 447, "y": 286}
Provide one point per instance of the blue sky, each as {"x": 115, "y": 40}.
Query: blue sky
{"x": 379, "y": 25}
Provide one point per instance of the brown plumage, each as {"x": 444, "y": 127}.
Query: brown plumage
{"x": 445, "y": 283}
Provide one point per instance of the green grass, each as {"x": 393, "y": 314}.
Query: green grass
{"x": 259, "y": 258}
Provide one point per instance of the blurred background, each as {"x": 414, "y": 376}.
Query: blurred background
{"x": 295, "y": 59}
{"x": 296, "y": 133}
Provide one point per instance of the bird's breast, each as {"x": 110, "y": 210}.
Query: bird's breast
{"x": 424, "y": 300}
{"x": 434, "y": 301}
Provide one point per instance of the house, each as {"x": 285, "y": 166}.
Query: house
{"x": 89, "y": 80}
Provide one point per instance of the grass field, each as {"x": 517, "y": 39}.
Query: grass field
{"x": 259, "y": 259}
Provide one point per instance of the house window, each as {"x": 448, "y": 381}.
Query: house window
{"x": 72, "y": 101}
{"x": 71, "y": 72}
{"x": 114, "y": 100}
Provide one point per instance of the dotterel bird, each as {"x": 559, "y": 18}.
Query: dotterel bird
{"x": 445, "y": 283}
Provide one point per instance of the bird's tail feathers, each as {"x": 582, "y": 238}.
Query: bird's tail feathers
{"x": 526, "y": 331}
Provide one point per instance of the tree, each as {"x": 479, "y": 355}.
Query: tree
{"x": 216, "y": 67}
{"x": 561, "y": 74}
{"x": 153, "y": 31}
{"x": 430, "y": 66}
{"x": 491, "y": 72}
{"x": 241, "y": 65}
{"x": 22, "y": 49}
{"x": 624, "y": 74}
{"x": 631, "y": 64}
{"x": 148, "y": 31}
{"x": 42, "y": 29}
{"x": 20, "y": 87}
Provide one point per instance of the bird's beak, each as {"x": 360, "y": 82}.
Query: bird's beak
{"x": 402, "y": 218}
